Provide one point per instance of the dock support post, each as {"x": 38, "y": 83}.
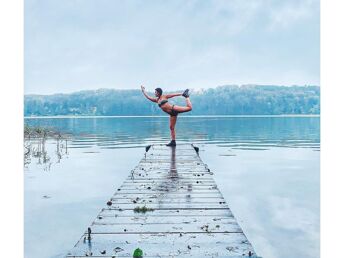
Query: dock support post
{"x": 89, "y": 231}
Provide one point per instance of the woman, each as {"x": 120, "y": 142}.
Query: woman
{"x": 172, "y": 110}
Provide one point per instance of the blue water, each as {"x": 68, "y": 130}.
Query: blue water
{"x": 266, "y": 167}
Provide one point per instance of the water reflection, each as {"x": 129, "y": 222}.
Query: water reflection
{"x": 173, "y": 168}
{"x": 44, "y": 151}
{"x": 170, "y": 182}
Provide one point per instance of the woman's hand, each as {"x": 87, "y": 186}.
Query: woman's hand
{"x": 146, "y": 95}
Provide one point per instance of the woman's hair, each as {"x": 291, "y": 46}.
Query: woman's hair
{"x": 159, "y": 90}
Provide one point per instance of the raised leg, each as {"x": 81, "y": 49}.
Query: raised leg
{"x": 184, "y": 109}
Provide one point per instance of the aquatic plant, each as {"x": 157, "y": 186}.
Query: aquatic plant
{"x": 35, "y": 145}
{"x": 42, "y": 132}
{"x": 143, "y": 209}
{"x": 138, "y": 253}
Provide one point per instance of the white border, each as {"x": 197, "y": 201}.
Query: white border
{"x": 11, "y": 81}
{"x": 332, "y": 83}
{"x": 332, "y": 130}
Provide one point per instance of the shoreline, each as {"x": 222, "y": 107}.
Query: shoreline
{"x": 41, "y": 132}
{"x": 187, "y": 116}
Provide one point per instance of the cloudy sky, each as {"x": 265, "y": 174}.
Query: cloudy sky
{"x": 73, "y": 45}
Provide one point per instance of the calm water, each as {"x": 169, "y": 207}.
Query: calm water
{"x": 266, "y": 167}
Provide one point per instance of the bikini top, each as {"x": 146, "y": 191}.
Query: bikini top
{"x": 164, "y": 101}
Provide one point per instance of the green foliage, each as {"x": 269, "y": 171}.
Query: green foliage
{"x": 142, "y": 209}
{"x": 138, "y": 253}
{"x": 224, "y": 100}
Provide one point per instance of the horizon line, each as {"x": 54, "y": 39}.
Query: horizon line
{"x": 151, "y": 116}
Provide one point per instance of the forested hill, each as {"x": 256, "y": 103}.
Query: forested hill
{"x": 223, "y": 100}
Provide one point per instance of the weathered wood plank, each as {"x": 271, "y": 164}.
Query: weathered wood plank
{"x": 124, "y": 220}
{"x": 174, "y": 179}
{"x": 164, "y": 205}
{"x": 166, "y": 245}
{"x": 187, "y": 175}
{"x": 213, "y": 194}
{"x": 196, "y": 227}
{"x": 138, "y": 200}
{"x": 164, "y": 213}
{"x": 161, "y": 189}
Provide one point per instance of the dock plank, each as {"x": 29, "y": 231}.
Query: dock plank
{"x": 159, "y": 245}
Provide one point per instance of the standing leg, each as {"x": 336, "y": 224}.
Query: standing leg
{"x": 173, "y": 121}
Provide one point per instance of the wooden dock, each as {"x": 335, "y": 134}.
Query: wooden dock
{"x": 169, "y": 206}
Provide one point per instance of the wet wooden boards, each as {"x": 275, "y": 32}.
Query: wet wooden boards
{"x": 169, "y": 206}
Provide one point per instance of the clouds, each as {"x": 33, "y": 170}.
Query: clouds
{"x": 290, "y": 13}
{"x": 72, "y": 45}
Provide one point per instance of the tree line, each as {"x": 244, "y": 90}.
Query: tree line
{"x": 222, "y": 100}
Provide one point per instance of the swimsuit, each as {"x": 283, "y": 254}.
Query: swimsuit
{"x": 173, "y": 112}
{"x": 164, "y": 101}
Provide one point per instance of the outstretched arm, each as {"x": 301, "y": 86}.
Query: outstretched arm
{"x": 146, "y": 95}
{"x": 173, "y": 95}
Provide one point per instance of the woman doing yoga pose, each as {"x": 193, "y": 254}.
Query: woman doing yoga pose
{"x": 172, "y": 110}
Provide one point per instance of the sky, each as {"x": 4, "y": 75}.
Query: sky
{"x": 73, "y": 45}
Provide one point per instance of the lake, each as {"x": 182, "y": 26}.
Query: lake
{"x": 268, "y": 169}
